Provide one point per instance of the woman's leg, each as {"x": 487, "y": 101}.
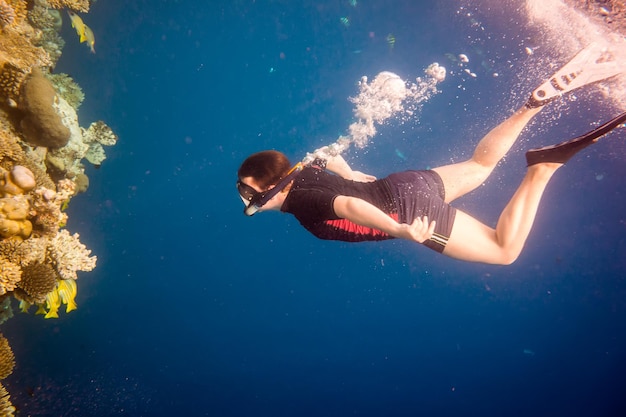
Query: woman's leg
{"x": 473, "y": 241}
{"x": 463, "y": 177}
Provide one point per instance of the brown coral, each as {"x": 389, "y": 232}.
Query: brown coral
{"x": 10, "y": 275}
{"x": 68, "y": 255}
{"x": 7, "y": 359}
{"x": 41, "y": 125}
{"x": 77, "y": 5}
{"x": 11, "y": 79}
{"x": 38, "y": 279}
{"x": 6, "y": 408}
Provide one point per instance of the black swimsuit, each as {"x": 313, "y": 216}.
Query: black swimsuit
{"x": 404, "y": 196}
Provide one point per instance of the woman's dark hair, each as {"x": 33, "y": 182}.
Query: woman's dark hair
{"x": 266, "y": 167}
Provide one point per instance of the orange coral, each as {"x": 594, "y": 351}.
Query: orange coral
{"x": 9, "y": 147}
{"x": 17, "y": 48}
{"x": 77, "y": 5}
{"x": 10, "y": 275}
{"x": 6, "y": 408}
{"x": 7, "y": 359}
{"x": 7, "y": 14}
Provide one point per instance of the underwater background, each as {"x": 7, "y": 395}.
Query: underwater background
{"x": 196, "y": 310}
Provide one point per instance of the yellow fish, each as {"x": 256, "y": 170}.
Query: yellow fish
{"x": 40, "y": 309}
{"x": 53, "y": 302}
{"x": 24, "y": 306}
{"x": 85, "y": 34}
{"x": 67, "y": 291}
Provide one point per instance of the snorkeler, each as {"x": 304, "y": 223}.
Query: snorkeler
{"x": 334, "y": 202}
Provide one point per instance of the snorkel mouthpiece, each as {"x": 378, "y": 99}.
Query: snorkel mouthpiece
{"x": 261, "y": 199}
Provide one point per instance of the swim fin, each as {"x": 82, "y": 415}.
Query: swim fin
{"x": 562, "y": 152}
{"x": 592, "y": 64}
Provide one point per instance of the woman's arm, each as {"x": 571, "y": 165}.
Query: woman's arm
{"x": 365, "y": 214}
{"x": 338, "y": 165}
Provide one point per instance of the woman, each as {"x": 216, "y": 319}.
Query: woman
{"x": 351, "y": 206}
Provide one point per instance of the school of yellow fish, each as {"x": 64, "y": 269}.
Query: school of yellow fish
{"x": 64, "y": 293}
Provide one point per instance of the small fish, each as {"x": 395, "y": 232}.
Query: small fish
{"x": 53, "y": 302}
{"x": 67, "y": 291}
{"x": 40, "y": 309}
{"x": 344, "y": 21}
{"x": 391, "y": 40}
{"x": 85, "y": 34}
{"x": 24, "y": 306}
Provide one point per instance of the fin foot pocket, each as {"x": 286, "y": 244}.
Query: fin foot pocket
{"x": 562, "y": 152}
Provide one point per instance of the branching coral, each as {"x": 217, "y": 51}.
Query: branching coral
{"x": 68, "y": 255}
{"x": 7, "y": 14}
{"x": 46, "y": 207}
{"x": 49, "y": 22}
{"x": 18, "y": 48}
{"x": 10, "y": 275}
{"x": 77, "y": 5}
{"x": 11, "y": 79}
{"x": 9, "y": 148}
{"x": 6, "y": 408}
{"x": 12, "y": 12}
{"x": 7, "y": 359}
{"x": 25, "y": 252}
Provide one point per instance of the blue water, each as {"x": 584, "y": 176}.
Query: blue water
{"x": 196, "y": 310}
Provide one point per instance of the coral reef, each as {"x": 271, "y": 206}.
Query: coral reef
{"x": 49, "y": 22}
{"x": 42, "y": 151}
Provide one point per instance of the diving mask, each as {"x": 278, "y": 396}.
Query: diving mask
{"x": 254, "y": 199}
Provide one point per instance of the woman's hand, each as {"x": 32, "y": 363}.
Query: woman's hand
{"x": 358, "y": 176}
{"x": 419, "y": 231}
